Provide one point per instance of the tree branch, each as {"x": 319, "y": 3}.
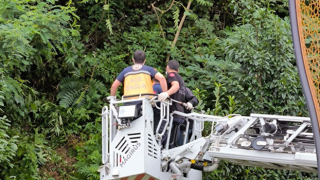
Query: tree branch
{"x": 173, "y": 1}
{"x": 161, "y": 30}
{"x": 179, "y": 29}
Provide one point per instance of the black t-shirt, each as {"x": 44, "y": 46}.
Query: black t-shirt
{"x": 183, "y": 94}
{"x": 180, "y": 94}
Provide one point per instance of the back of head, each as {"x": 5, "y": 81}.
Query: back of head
{"x": 139, "y": 56}
{"x": 174, "y": 65}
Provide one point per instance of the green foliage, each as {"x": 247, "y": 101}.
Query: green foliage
{"x": 30, "y": 155}
{"x": 89, "y": 154}
{"x": 13, "y": 91}
{"x": 264, "y": 50}
{"x": 200, "y": 94}
{"x": 8, "y": 146}
{"x": 150, "y": 41}
{"x": 176, "y": 19}
{"x": 109, "y": 25}
{"x": 255, "y": 63}
{"x": 203, "y": 2}
{"x": 76, "y": 92}
{"x": 229, "y": 171}
{"x": 58, "y": 60}
{"x": 72, "y": 92}
{"x": 34, "y": 33}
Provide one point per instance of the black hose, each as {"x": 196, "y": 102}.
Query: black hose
{"x": 197, "y": 167}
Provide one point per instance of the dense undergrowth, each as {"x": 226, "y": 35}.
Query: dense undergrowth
{"x": 59, "y": 58}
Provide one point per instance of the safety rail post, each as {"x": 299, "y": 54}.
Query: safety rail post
{"x": 105, "y": 138}
{"x": 164, "y": 116}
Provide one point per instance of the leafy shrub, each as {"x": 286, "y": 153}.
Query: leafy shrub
{"x": 89, "y": 153}
{"x": 8, "y": 145}
{"x": 30, "y": 155}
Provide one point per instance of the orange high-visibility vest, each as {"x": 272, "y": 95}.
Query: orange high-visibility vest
{"x": 137, "y": 82}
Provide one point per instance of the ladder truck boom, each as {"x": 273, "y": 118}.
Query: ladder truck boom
{"x": 132, "y": 150}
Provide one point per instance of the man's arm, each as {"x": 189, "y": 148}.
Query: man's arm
{"x": 162, "y": 80}
{"x": 194, "y": 101}
{"x": 174, "y": 87}
{"x": 114, "y": 87}
{"x": 191, "y": 98}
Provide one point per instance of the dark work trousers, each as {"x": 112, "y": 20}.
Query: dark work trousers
{"x": 156, "y": 118}
{"x": 176, "y": 123}
{"x": 179, "y": 135}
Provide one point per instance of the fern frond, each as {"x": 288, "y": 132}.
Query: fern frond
{"x": 2, "y": 99}
{"x": 72, "y": 83}
{"x": 76, "y": 92}
{"x": 106, "y": 7}
{"x": 69, "y": 97}
{"x": 8, "y": 146}
{"x": 204, "y": 3}
{"x": 97, "y": 85}
{"x": 75, "y": 85}
{"x": 12, "y": 89}
{"x": 77, "y": 73}
{"x": 82, "y": 103}
{"x": 109, "y": 25}
{"x": 71, "y": 88}
{"x": 80, "y": 100}
{"x": 176, "y": 19}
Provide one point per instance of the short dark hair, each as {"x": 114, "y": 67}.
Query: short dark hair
{"x": 173, "y": 64}
{"x": 139, "y": 56}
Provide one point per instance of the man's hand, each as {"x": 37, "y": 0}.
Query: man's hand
{"x": 163, "y": 96}
{"x": 111, "y": 98}
{"x": 189, "y": 106}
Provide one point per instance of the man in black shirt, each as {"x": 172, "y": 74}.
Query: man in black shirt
{"x": 177, "y": 91}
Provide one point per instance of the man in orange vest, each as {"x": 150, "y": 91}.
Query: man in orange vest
{"x": 137, "y": 79}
